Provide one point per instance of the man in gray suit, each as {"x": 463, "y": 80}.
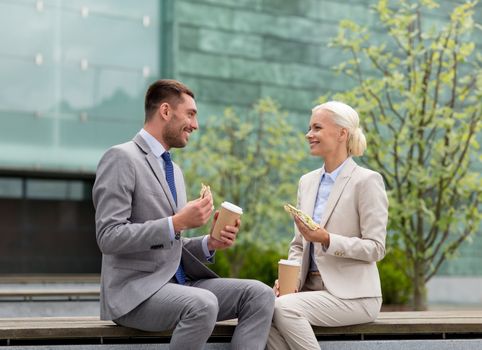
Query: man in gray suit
{"x": 154, "y": 279}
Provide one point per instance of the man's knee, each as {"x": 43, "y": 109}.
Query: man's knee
{"x": 263, "y": 295}
{"x": 204, "y": 305}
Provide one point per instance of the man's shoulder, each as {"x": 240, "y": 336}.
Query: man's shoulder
{"x": 124, "y": 154}
{"x": 123, "y": 149}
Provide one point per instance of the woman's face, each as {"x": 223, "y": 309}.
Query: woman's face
{"x": 324, "y": 136}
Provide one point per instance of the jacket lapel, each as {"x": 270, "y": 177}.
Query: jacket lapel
{"x": 337, "y": 190}
{"x": 308, "y": 204}
{"x": 156, "y": 169}
{"x": 312, "y": 192}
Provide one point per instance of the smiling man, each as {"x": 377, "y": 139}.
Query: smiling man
{"x": 153, "y": 278}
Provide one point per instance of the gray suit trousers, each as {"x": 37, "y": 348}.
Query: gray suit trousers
{"x": 192, "y": 310}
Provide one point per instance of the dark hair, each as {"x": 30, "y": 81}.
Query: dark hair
{"x": 164, "y": 90}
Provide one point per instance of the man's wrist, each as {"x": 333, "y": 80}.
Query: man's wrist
{"x": 177, "y": 223}
{"x": 207, "y": 249}
{"x": 172, "y": 233}
{"x": 209, "y": 243}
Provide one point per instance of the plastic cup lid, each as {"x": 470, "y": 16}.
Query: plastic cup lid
{"x": 289, "y": 262}
{"x": 232, "y": 207}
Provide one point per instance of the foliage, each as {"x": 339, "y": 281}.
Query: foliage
{"x": 420, "y": 97}
{"x": 396, "y": 285}
{"x": 252, "y": 161}
{"x": 260, "y": 261}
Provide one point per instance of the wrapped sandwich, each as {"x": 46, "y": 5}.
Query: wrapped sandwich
{"x": 205, "y": 190}
{"x": 304, "y": 218}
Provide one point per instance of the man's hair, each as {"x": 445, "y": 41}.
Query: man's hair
{"x": 164, "y": 90}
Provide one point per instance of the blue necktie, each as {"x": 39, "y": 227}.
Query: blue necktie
{"x": 166, "y": 156}
{"x": 170, "y": 174}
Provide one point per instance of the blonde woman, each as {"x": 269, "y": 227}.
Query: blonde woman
{"x": 339, "y": 281}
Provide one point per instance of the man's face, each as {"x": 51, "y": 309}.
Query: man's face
{"x": 182, "y": 123}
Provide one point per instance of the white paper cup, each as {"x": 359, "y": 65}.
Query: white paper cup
{"x": 288, "y": 276}
{"x": 228, "y": 214}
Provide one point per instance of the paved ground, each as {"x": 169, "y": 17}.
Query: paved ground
{"x": 89, "y": 306}
{"x": 48, "y": 306}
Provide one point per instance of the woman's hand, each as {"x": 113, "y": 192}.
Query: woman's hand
{"x": 320, "y": 235}
{"x": 276, "y": 288}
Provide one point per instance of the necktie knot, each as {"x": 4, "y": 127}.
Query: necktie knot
{"x": 166, "y": 156}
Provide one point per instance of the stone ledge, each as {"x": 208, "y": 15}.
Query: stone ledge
{"x": 389, "y": 325}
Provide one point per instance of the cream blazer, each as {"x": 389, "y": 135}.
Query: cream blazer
{"x": 355, "y": 216}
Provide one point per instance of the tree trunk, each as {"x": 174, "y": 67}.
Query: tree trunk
{"x": 419, "y": 288}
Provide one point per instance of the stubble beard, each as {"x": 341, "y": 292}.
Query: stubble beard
{"x": 173, "y": 138}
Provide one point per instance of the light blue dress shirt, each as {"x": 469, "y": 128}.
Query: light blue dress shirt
{"x": 157, "y": 149}
{"x": 324, "y": 189}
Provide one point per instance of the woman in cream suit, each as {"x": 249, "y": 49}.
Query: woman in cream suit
{"x": 339, "y": 281}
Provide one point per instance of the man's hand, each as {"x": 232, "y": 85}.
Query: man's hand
{"x": 195, "y": 214}
{"x": 228, "y": 235}
{"x": 320, "y": 235}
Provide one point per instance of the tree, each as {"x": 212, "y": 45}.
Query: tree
{"x": 396, "y": 286}
{"x": 419, "y": 94}
{"x": 253, "y": 161}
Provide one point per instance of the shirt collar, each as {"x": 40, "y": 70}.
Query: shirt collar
{"x": 334, "y": 174}
{"x": 156, "y": 147}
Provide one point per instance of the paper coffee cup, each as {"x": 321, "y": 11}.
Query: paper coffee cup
{"x": 228, "y": 214}
{"x": 288, "y": 276}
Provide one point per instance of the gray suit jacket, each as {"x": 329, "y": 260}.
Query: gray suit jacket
{"x": 356, "y": 216}
{"x": 133, "y": 201}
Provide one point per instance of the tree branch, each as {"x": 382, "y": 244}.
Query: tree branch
{"x": 452, "y": 247}
{"x": 392, "y": 108}
{"x": 439, "y": 70}
{"x": 454, "y": 68}
{"x": 464, "y": 153}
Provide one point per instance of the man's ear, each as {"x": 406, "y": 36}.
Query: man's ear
{"x": 164, "y": 111}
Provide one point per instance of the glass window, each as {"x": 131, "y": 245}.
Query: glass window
{"x": 55, "y": 189}
{"x": 84, "y": 62}
{"x": 10, "y": 188}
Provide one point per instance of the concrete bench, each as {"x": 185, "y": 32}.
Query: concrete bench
{"x": 49, "y": 293}
{"x": 50, "y": 278}
{"x": 441, "y": 325}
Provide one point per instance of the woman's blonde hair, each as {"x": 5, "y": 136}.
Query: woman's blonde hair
{"x": 346, "y": 117}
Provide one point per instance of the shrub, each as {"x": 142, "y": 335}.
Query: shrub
{"x": 396, "y": 285}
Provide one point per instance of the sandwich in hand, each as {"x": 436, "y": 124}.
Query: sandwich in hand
{"x": 205, "y": 190}
{"x": 304, "y": 218}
